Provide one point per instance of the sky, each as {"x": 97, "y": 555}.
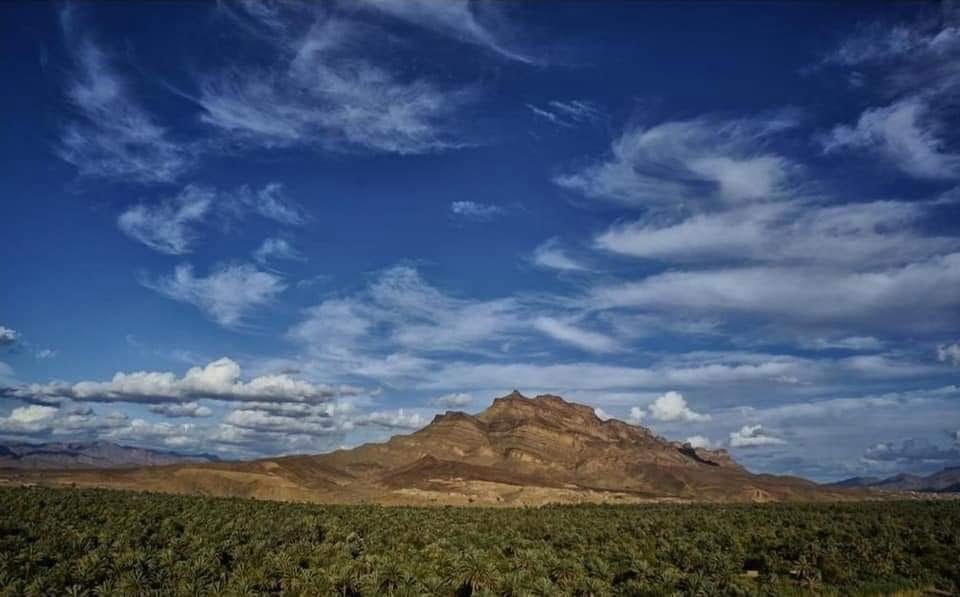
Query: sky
{"x": 262, "y": 228}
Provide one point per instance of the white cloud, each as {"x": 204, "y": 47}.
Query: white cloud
{"x": 669, "y": 407}
{"x": 455, "y": 400}
{"x": 45, "y": 353}
{"x": 550, "y": 255}
{"x": 920, "y": 295}
{"x": 472, "y": 210}
{"x": 575, "y": 336}
{"x": 398, "y": 419}
{"x": 846, "y": 343}
{"x": 166, "y": 226}
{"x": 270, "y": 202}
{"x": 949, "y": 353}
{"x": 218, "y": 380}
{"x": 32, "y": 413}
{"x": 8, "y": 336}
{"x": 596, "y": 376}
{"x": 28, "y": 420}
{"x": 400, "y": 309}
{"x": 454, "y": 18}
{"x": 854, "y": 235}
{"x": 673, "y": 407}
{"x": 227, "y": 295}
{"x": 112, "y": 136}
{"x": 689, "y": 161}
{"x": 909, "y": 56}
{"x": 260, "y": 421}
{"x": 699, "y": 441}
{"x": 751, "y": 436}
{"x": 905, "y": 134}
{"x": 567, "y": 114}
{"x": 276, "y": 248}
{"x": 186, "y": 409}
{"x": 322, "y": 92}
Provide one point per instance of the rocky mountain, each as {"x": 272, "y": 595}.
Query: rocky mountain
{"x": 946, "y": 480}
{"x": 88, "y": 455}
{"x": 519, "y": 451}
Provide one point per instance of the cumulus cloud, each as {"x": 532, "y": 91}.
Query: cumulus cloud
{"x": 687, "y": 161}
{"x": 8, "y": 336}
{"x": 218, "y": 380}
{"x": 472, "y": 210}
{"x": 454, "y": 18}
{"x": 573, "y": 335}
{"x": 186, "y": 409}
{"x": 550, "y": 255}
{"x": 454, "y": 400}
{"x": 751, "y": 436}
{"x": 392, "y": 420}
{"x": 228, "y": 294}
{"x": 637, "y": 415}
{"x": 670, "y": 407}
{"x": 112, "y": 136}
{"x": 699, "y": 441}
{"x": 276, "y": 248}
{"x": 261, "y": 421}
{"x": 949, "y": 353}
{"x": 322, "y": 90}
{"x": 28, "y": 419}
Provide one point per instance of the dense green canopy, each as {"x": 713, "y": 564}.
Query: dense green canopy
{"x": 95, "y": 542}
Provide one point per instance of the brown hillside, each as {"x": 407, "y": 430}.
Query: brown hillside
{"x": 518, "y": 451}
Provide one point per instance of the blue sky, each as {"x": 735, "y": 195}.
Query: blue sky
{"x": 263, "y": 228}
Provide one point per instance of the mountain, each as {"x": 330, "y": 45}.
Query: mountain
{"x": 88, "y": 455}
{"x": 946, "y": 480}
{"x": 520, "y": 451}
{"x": 856, "y": 482}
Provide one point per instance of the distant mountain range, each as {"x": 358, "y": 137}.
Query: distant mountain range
{"x": 519, "y": 451}
{"x": 947, "y": 480}
{"x": 89, "y": 455}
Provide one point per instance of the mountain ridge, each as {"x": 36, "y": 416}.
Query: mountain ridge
{"x": 95, "y": 454}
{"x": 519, "y": 451}
{"x": 944, "y": 480}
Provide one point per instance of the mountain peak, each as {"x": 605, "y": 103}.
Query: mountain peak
{"x": 520, "y": 450}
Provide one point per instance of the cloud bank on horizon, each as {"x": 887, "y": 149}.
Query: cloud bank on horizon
{"x": 290, "y": 227}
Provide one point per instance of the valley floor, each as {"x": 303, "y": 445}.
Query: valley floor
{"x": 101, "y": 542}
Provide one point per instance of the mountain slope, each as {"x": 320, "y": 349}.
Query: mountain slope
{"x": 88, "y": 455}
{"x": 518, "y": 451}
